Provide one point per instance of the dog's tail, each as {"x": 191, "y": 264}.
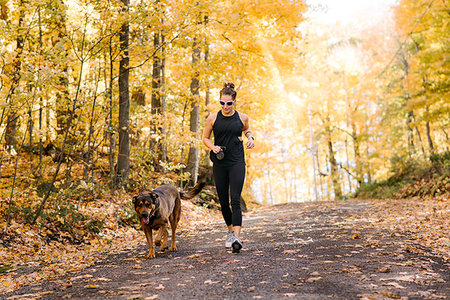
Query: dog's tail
{"x": 193, "y": 192}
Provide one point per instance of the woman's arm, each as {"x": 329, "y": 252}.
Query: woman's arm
{"x": 247, "y": 131}
{"x": 207, "y": 134}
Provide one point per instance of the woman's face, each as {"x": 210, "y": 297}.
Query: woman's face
{"x": 226, "y": 101}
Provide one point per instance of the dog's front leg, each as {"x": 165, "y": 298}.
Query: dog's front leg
{"x": 165, "y": 235}
{"x": 148, "y": 235}
{"x": 173, "y": 246}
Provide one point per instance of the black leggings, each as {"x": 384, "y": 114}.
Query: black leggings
{"x": 229, "y": 182}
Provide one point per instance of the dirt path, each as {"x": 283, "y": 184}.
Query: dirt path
{"x": 300, "y": 251}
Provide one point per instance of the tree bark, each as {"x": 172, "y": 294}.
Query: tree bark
{"x": 123, "y": 160}
{"x": 3, "y": 10}
{"x": 192, "y": 165}
{"x": 156, "y": 76}
{"x": 109, "y": 99}
{"x": 410, "y": 114}
{"x": 62, "y": 104}
{"x": 334, "y": 168}
{"x": 41, "y": 102}
{"x": 157, "y": 107}
{"x": 207, "y": 87}
{"x": 12, "y": 118}
{"x": 163, "y": 100}
{"x": 10, "y": 131}
{"x": 87, "y": 158}
{"x": 357, "y": 153}
{"x": 430, "y": 140}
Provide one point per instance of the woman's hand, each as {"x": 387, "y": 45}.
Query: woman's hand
{"x": 250, "y": 142}
{"x": 216, "y": 149}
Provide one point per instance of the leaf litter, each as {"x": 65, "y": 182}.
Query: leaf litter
{"x": 31, "y": 248}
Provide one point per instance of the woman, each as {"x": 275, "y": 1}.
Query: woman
{"x": 227, "y": 155}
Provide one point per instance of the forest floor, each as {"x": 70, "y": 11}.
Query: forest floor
{"x": 353, "y": 249}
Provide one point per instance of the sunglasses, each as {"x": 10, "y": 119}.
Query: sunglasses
{"x": 229, "y": 103}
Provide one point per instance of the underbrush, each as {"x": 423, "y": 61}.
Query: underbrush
{"x": 411, "y": 178}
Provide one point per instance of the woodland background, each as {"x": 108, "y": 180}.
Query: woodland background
{"x": 100, "y": 99}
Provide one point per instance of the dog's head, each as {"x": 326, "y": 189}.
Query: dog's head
{"x": 146, "y": 205}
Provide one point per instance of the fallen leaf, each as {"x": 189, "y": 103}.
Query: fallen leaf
{"x": 82, "y": 277}
{"x": 290, "y": 295}
{"x": 313, "y": 279}
{"x": 91, "y": 286}
{"x": 209, "y": 281}
{"x": 390, "y": 295}
{"x": 384, "y": 270}
{"x": 408, "y": 248}
{"x": 395, "y": 284}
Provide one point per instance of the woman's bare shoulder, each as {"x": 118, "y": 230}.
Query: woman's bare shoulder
{"x": 212, "y": 118}
{"x": 244, "y": 117}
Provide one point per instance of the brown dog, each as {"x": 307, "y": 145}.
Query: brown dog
{"x": 158, "y": 207}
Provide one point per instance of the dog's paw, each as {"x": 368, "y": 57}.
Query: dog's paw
{"x": 163, "y": 247}
{"x": 174, "y": 248}
{"x": 151, "y": 254}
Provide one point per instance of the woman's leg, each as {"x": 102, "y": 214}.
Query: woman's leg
{"x": 236, "y": 179}
{"x": 222, "y": 187}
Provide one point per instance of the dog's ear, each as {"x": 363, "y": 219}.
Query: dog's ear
{"x": 154, "y": 197}
{"x": 135, "y": 198}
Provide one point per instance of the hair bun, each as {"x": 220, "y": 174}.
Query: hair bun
{"x": 229, "y": 85}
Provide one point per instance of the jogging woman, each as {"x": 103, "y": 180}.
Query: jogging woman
{"x": 227, "y": 155}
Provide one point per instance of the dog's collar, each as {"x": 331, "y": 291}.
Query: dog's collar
{"x": 154, "y": 212}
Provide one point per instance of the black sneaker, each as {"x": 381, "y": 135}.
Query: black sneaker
{"x": 237, "y": 245}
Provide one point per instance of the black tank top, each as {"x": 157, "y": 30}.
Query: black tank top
{"x": 227, "y": 131}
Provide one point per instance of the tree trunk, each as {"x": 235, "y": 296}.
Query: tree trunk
{"x": 3, "y": 10}
{"x": 192, "y": 165}
{"x": 430, "y": 140}
{"x": 123, "y": 160}
{"x": 12, "y": 118}
{"x": 30, "y": 130}
{"x": 334, "y": 168}
{"x": 319, "y": 172}
{"x": 157, "y": 144}
{"x": 10, "y": 130}
{"x": 410, "y": 115}
{"x": 109, "y": 99}
{"x": 207, "y": 92}
{"x": 62, "y": 105}
{"x": 163, "y": 100}
{"x": 87, "y": 157}
{"x": 41, "y": 102}
{"x": 357, "y": 153}
{"x": 156, "y": 76}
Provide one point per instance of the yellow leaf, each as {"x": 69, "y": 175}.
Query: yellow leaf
{"x": 91, "y": 286}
